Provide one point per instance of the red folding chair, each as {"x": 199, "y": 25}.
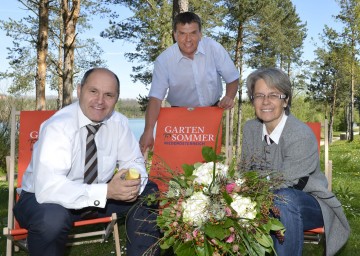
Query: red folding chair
{"x": 29, "y": 123}
{"x": 316, "y": 235}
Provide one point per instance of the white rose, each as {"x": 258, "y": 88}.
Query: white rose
{"x": 196, "y": 208}
{"x": 204, "y": 173}
{"x": 244, "y": 207}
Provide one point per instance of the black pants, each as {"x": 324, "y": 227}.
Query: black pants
{"x": 49, "y": 224}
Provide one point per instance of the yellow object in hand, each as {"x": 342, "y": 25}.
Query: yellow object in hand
{"x": 116, "y": 170}
{"x": 132, "y": 174}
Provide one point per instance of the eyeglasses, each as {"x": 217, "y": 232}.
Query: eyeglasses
{"x": 271, "y": 96}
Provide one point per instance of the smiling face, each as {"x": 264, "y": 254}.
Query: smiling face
{"x": 268, "y": 110}
{"x": 188, "y": 36}
{"x": 98, "y": 95}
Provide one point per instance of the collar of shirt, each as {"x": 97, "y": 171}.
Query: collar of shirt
{"x": 179, "y": 55}
{"x": 276, "y": 133}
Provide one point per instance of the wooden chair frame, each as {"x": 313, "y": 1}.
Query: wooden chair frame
{"x": 16, "y": 236}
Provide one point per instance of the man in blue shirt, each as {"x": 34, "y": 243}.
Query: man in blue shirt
{"x": 190, "y": 74}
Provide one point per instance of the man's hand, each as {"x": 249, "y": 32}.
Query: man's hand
{"x": 121, "y": 189}
{"x": 151, "y": 116}
{"x": 226, "y": 102}
{"x": 146, "y": 141}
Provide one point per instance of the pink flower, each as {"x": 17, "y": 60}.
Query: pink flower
{"x": 230, "y": 187}
{"x": 231, "y": 238}
{"x": 195, "y": 232}
{"x": 188, "y": 237}
{"x": 228, "y": 211}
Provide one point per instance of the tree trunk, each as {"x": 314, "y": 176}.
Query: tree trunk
{"x": 347, "y": 113}
{"x": 42, "y": 50}
{"x": 351, "y": 111}
{"x": 332, "y": 114}
{"x": 239, "y": 65}
{"x": 178, "y": 7}
{"x": 59, "y": 69}
{"x": 60, "y": 81}
{"x": 231, "y": 134}
{"x": 70, "y": 14}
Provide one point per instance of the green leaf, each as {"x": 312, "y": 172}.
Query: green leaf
{"x": 163, "y": 202}
{"x": 188, "y": 169}
{"x": 264, "y": 240}
{"x": 209, "y": 154}
{"x": 260, "y": 250}
{"x": 208, "y": 249}
{"x": 167, "y": 242}
{"x": 275, "y": 224}
{"x": 201, "y": 251}
{"x": 227, "y": 198}
{"x": 185, "y": 249}
{"x": 218, "y": 231}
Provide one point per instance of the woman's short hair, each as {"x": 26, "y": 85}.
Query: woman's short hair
{"x": 274, "y": 78}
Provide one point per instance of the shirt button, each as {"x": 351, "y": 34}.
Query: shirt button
{"x": 96, "y": 202}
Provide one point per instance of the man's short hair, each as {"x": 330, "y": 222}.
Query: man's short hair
{"x": 87, "y": 74}
{"x": 186, "y": 18}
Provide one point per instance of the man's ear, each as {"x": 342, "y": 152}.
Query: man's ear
{"x": 78, "y": 90}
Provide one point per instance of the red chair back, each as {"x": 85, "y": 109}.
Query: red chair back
{"x": 181, "y": 133}
{"x": 316, "y": 128}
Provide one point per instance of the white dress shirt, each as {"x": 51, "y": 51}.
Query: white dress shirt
{"x": 56, "y": 171}
{"x": 196, "y": 82}
{"x": 276, "y": 133}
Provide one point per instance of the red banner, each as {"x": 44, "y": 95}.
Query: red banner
{"x": 30, "y": 122}
{"x": 181, "y": 133}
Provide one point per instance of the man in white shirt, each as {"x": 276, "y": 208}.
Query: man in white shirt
{"x": 190, "y": 73}
{"x": 55, "y": 191}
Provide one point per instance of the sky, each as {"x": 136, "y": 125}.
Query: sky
{"x": 316, "y": 13}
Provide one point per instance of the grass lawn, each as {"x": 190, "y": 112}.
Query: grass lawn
{"x": 346, "y": 185}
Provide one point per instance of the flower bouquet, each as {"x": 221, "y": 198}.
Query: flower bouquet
{"x": 214, "y": 209}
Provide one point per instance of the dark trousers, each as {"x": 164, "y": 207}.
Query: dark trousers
{"x": 49, "y": 224}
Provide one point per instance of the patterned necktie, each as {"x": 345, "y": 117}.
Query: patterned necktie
{"x": 90, "y": 175}
{"x": 268, "y": 140}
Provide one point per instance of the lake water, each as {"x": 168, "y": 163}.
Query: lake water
{"x": 137, "y": 126}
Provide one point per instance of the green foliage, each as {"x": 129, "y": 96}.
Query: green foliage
{"x": 307, "y": 111}
{"x": 278, "y": 35}
{"x": 143, "y": 102}
{"x": 130, "y": 108}
{"x": 347, "y": 198}
{"x": 233, "y": 216}
{"x": 22, "y": 55}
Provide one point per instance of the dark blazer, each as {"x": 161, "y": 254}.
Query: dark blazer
{"x": 296, "y": 157}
